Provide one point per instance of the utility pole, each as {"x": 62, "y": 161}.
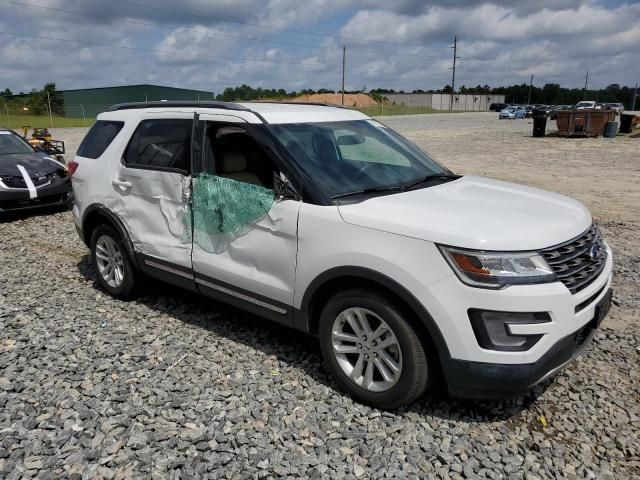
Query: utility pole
{"x": 530, "y": 84}
{"x": 344, "y": 54}
{"x": 586, "y": 82}
{"x": 635, "y": 94}
{"x": 49, "y": 104}
{"x": 453, "y": 76}
{"x": 9, "y": 122}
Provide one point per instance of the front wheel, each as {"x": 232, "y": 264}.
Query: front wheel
{"x": 372, "y": 350}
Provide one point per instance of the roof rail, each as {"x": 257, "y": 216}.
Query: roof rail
{"x": 291, "y": 102}
{"x": 177, "y": 104}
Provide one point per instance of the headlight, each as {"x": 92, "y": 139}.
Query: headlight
{"x": 498, "y": 269}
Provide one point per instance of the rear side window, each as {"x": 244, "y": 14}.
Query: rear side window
{"x": 99, "y": 138}
{"x": 161, "y": 145}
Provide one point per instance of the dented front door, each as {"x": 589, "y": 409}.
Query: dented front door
{"x": 244, "y": 243}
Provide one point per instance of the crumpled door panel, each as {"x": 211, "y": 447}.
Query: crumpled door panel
{"x": 242, "y": 237}
{"x": 157, "y": 213}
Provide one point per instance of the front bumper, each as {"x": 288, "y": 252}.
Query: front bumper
{"x": 488, "y": 380}
{"x": 58, "y": 193}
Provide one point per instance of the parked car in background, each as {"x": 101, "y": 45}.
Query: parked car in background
{"x": 512, "y": 112}
{"x": 327, "y": 221}
{"x": 588, "y": 105}
{"x": 618, "y": 107}
{"x": 529, "y": 111}
{"x": 507, "y": 113}
{"x": 29, "y": 177}
{"x": 497, "y": 107}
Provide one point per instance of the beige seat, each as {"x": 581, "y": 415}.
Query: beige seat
{"x": 234, "y": 166}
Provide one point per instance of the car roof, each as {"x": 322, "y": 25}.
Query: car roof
{"x": 252, "y": 112}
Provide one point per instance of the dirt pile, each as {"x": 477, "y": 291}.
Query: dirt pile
{"x": 350, "y": 99}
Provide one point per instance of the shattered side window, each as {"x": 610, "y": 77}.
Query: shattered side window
{"x": 224, "y": 209}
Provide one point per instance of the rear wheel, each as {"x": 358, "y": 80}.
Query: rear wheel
{"x": 111, "y": 263}
{"x": 372, "y": 350}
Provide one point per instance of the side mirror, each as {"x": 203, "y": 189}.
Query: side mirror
{"x": 282, "y": 189}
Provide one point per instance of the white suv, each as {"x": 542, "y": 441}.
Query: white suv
{"x": 325, "y": 220}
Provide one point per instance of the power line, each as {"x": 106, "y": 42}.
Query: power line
{"x": 203, "y": 32}
{"x": 170, "y": 52}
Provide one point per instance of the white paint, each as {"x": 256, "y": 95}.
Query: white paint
{"x": 33, "y": 193}
{"x": 272, "y": 112}
{"x": 393, "y": 235}
{"x": 325, "y": 241}
{"x": 475, "y": 212}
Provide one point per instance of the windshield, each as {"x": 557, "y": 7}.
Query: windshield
{"x": 11, "y": 143}
{"x": 356, "y": 155}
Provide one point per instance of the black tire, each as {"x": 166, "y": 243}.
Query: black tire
{"x": 415, "y": 375}
{"x": 127, "y": 289}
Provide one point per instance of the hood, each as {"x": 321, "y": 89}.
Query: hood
{"x": 477, "y": 213}
{"x": 36, "y": 164}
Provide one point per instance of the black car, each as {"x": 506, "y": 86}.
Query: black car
{"x": 498, "y": 107}
{"x": 29, "y": 178}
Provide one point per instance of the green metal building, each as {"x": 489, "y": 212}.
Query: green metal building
{"x": 88, "y": 102}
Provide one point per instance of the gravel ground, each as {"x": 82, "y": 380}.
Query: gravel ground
{"x": 175, "y": 386}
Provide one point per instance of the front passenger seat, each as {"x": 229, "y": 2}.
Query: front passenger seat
{"x": 234, "y": 166}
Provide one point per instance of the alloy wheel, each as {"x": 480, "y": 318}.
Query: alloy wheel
{"x": 366, "y": 349}
{"x": 109, "y": 261}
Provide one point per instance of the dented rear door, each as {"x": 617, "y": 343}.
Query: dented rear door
{"x": 154, "y": 180}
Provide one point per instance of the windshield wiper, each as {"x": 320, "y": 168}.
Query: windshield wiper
{"x": 398, "y": 188}
{"x": 368, "y": 190}
{"x": 433, "y": 176}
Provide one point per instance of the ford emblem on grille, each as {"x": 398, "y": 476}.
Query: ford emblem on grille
{"x": 595, "y": 250}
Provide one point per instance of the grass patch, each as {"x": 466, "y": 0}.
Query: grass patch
{"x": 17, "y": 121}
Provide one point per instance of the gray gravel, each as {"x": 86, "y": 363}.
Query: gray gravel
{"x": 174, "y": 386}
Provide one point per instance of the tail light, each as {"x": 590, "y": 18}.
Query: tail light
{"x": 72, "y": 167}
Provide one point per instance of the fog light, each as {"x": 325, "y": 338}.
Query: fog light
{"x": 493, "y": 333}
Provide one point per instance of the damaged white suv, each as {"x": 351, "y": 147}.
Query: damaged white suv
{"x": 327, "y": 221}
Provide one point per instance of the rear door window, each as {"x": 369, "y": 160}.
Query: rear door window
{"x": 161, "y": 144}
{"x": 99, "y": 138}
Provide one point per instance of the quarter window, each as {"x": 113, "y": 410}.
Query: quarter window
{"x": 163, "y": 144}
{"x": 99, "y": 138}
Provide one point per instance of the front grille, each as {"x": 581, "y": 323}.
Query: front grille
{"x": 17, "y": 181}
{"x": 572, "y": 261}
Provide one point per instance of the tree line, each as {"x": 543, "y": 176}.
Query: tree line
{"x": 36, "y": 101}
{"x": 549, "y": 94}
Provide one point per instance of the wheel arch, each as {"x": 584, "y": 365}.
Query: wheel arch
{"x": 97, "y": 214}
{"x": 331, "y": 281}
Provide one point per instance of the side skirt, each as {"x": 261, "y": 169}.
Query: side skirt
{"x": 186, "y": 278}
{"x": 245, "y": 300}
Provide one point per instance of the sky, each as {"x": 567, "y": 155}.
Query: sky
{"x": 296, "y": 44}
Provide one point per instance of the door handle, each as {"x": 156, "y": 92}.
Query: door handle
{"x": 121, "y": 185}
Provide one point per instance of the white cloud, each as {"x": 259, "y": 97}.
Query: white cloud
{"x": 499, "y": 43}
